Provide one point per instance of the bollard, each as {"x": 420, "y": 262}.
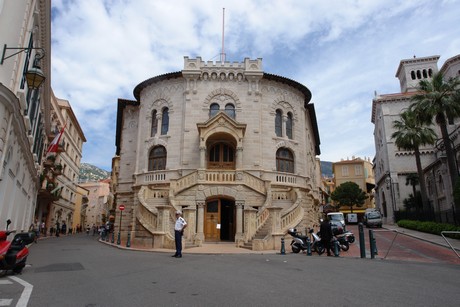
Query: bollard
{"x": 308, "y": 247}
{"x": 362, "y": 246}
{"x": 283, "y": 250}
{"x": 373, "y": 244}
{"x": 336, "y": 248}
{"x": 113, "y": 236}
{"x": 128, "y": 242}
{"x": 119, "y": 239}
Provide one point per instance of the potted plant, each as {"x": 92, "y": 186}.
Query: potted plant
{"x": 58, "y": 169}
{"x": 50, "y": 161}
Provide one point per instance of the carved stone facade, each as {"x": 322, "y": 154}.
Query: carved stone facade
{"x": 233, "y": 147}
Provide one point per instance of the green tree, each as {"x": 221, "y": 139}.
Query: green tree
{"x": 349, "y": 194}
{"x": 440, "y": 99}
{"x": 410, "y": 134}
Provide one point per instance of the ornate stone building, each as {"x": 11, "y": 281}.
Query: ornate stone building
{"x": 392, "y": 165}
{"x": 231, "y": 146}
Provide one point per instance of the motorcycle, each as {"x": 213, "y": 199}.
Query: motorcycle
{"x": 299, "y": 242}
{"x": 13, "y": 254}
{"x": 343, "y": 242}
{"x": 350, "y": 236}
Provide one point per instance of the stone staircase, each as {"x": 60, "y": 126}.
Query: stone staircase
{"x": 260, "y": 234}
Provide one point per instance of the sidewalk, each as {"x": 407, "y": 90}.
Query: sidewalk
{"x": 428, "y": 237}
{"x": 231, "y": 248}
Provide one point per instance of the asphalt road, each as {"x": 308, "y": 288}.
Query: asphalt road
{"x": 79, "y": 271}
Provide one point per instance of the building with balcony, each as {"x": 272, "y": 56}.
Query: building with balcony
{"x": 25, "y": 42}
{"x": 232, "y": 147}
{"x": 359, "y": 171}
{"x": 393, "y": 166}
{"x": 59, "y": 178}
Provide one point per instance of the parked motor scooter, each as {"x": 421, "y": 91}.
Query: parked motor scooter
{"x": 343, "y": 242}
{"x": 299, "y": 242}
{"x": 350, "y": 236}
{"x": 13, "y": 254}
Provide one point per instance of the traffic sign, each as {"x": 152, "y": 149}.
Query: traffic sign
{"x": 121, "y": 207}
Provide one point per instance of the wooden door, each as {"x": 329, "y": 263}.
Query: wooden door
{"x": 212, "y": 221}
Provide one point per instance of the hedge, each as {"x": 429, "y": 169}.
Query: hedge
{"x": 430, "y": 227}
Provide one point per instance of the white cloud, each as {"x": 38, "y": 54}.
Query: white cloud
{"x": 342, "y": 50}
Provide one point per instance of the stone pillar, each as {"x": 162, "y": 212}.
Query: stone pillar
{"x": 250, "y": 217}
{"x": 283, "y": 125}
{"x": 239, "y": 157}
{"x": 202, "y": 157}
{"x": 199, "y": 237}
{"x": 190, "y": 217}
{"x": 239, "y": 238}
{"x": 158, "y": 122}
{"x": 276, "y": 227}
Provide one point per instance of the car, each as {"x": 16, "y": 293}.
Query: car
{"x": 373, "y": 219}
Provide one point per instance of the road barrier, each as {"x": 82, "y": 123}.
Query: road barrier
{"x": 450, "y": 232}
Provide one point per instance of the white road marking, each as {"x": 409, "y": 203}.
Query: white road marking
{"x": 24, "y": 299}
{"x": 5, "y": 282}
{"x": 5, "y": 302}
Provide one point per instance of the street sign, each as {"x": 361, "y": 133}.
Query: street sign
{"x": 121, "y": 207}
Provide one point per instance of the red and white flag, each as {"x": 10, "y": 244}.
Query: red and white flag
{"x": 53, "y": 147}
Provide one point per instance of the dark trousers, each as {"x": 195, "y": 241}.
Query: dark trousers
{"x": 178, "y": 239}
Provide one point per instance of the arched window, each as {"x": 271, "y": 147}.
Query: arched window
{"x": 157, "y": 158}
{"x": 289, "y": 125}
{"x": 154, "y": 128}
{"x": 230, "y": 110}
{"x": 165, "y": 121}
{"x": 213, "y": 109}
{"x": 419, "y": 75}
{"x": 412, "y": 75}
{"x": 425, "y": 74}
{"x": 278, "y": 123}
{"x": 284, "y": 160}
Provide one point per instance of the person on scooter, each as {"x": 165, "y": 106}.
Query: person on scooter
{"x": 326, "y": 235}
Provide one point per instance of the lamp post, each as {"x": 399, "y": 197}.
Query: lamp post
{"x": 389, "y": 184}
{"x": 34, "y": 76}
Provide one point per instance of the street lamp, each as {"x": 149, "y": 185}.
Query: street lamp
{"x": 34, "y": 76}
{"x": 389, "y": 183}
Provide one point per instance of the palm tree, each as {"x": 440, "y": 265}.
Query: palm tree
{"x": 440, "y": 99}
{"x": 412, "y": 180}
{"x": 410, "y": 134}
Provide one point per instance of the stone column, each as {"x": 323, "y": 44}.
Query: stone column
{"x": 239, "y": 238}
{"x": 283, "y": 126}
{"x": 250, "y": 216}
{"x": 158, "y": 122}
{"x": 190, "y": 218}
{"x": 239, "y": 157}
{"x": 202, "y": 157}
{"x": 276, "y": 227}
{"x": 199, "y": 237}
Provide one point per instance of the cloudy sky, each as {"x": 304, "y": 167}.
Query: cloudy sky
{"x": 342, "y": 50}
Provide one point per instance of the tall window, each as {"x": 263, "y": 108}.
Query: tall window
{"x": 154, "y": 128}
{"x": 278, "y": 123}
{"x": 284, "y": 160}
{"x": 165, "y": 121}
{"x": 213, "y": 109}
{"x": 230, "y": 110}
{"x": 289, "y": 125}
{"x": 221, "y": 155}
{"x": 157, "y": 158}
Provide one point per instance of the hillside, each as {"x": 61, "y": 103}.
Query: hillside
{"x": 91, "y": 173}
{"x": 326, "y": 168}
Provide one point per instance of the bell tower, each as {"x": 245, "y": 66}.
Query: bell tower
{"x": 411, "y": 71}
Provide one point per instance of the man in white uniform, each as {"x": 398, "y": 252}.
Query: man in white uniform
{"x": 178, "y": 232}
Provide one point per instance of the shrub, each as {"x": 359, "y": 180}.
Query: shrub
{"x": 430, "y": 227}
